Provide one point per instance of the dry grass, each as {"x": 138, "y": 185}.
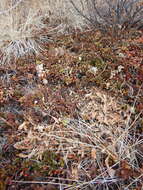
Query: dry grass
{"x": 26, "y": 24}
{"x": 97, "y": 142}
{"x": 19, "y": 23}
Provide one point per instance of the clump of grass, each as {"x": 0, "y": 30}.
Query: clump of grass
{"x": 20, "y": 22}
{"x": 26, "y": 24}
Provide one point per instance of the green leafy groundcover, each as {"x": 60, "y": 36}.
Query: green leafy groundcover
{"x": 71, "y": 62}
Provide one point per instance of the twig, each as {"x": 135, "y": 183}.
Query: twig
{"x": 39, "y": 182}
{"x": 5, "y": 121}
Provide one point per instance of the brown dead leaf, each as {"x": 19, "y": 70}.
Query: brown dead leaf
{"x": 74, "y": 173}
{"x": 93, "y": 153}
{"x": 23, "y": 145}
{"x": 21, "y": 155}
{"x": 125, "y": 170}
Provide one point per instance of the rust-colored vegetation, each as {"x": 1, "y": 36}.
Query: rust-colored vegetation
{"x": 71, "y": 117}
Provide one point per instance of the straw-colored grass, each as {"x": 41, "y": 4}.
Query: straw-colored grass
{"x": 26, "y": 24}
{"x": 95, "y": 146}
